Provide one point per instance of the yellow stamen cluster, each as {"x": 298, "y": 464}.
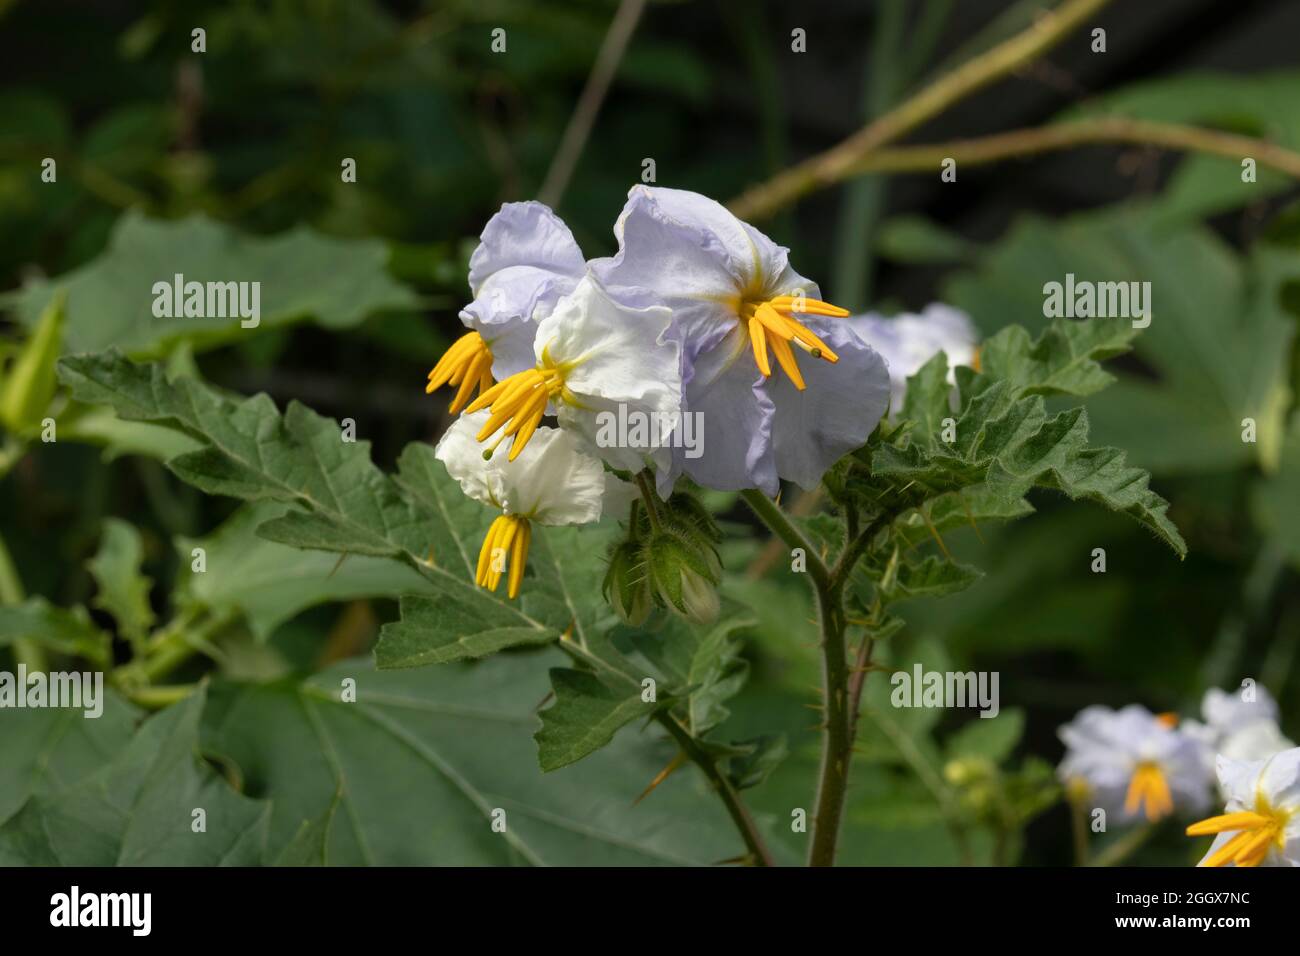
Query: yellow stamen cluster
{"x": 1149, "y": 789}
{"x": 773, "y": 328}
{"x": 468, "y": 363}
{"x": 518, "y": 404}
{"x": 1260, "y": 830}
{"x": 505, "y": 545}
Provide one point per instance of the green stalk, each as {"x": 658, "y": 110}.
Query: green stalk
{"x": 26, "y": 651}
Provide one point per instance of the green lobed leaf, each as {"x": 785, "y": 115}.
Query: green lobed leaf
{"x": 267, "y": 583}
{"x": 45, "y": 751}
{"x": 66, "y": 630}
{"x": 302, "y": 274}
{"x": 701, "y": 667}
{"x": 421, "y": 759}
{"x": 138, "y": 809}
{"x": 123, "y": 589}
{"x": 585, "y": 716}
{"x": 343, "y": 503}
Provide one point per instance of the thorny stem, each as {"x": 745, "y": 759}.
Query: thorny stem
{"x": 727, "y": 793}
{"x": 841, "y": 687}
{"x": 838, "y": 162}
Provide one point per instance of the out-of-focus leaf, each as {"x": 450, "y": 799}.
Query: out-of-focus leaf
{"x": 988, "y": 738}
{"x": 422, "y": 759}
{"x": 1258, "y": 104}
{"x": 1276, "y": 498}
{"x": 123, "y": 589}
{"x": 138, "y": 809}
{"x": 1218, "y": 339}
{"x": 68, "y": 631}
{"x": 268, "y": 583}
{"x": 917, "y": 240}
{"x": 44, "y": 751}
{"x": 29, "y": 383}
{"x": 302, "y": 274}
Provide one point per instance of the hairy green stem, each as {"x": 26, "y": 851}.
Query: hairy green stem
{"x": 770, "y": 513}
{"x": 698, "y": 755}
{"x": 727, "y": 793}
{"x": 179, "y": 644}
{"x": 651, "y": 499}
{"x": 158, "y": 697}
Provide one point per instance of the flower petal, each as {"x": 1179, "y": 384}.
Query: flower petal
{"x": 835, "y": 413}
{"x": 735, "y": 414}
{"x": 909, "y": 341}
{"x": 526, "y": 261}
{"x": 687, "y": 252}
{"x": 621, "y": 364}
{"x": 551, "y": 481}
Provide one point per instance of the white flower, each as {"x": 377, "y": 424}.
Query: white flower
{"x": 1241, "y": 725}
{"x": 594, "y": 358}
{"x": 551, "y": 482}
{"x": 526, "y": 261}
{"x": 908, "y": 341}
{"x": 1133, "y": 761}
{"x": 1260, "y": 825}
{"x": 742, "y": 313}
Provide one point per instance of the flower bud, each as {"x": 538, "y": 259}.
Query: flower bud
{"x": 683, "y": 576}
{"x": 689, "y": 510}
{"x": 627, "y": 585}
{"x": 31, "y": 383}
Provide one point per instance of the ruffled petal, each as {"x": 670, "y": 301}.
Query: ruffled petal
{"x": 551, "y": 482}
{"x": 1230, "y": 711}
{"x": 461, "y": 453}
{"x": 687, "y": 252}
{"x": 622, "y": 375}
{"x": 526, "y": 261}
{"x": 729, "y": 401}
{"x": 835, "y": 413}
{"x": 1280, "y": 780}
{"x": 909, "y": 341}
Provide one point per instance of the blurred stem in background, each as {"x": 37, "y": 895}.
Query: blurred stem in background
{"x": 893, "y": 65}
{"x": 576, "y": 133}
{"x": 26, "y": 652}
{"x": 836, "y": 163}
{"x": 862, "y": 153}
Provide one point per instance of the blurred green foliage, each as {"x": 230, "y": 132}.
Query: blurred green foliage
{"x": 163, "y": 154}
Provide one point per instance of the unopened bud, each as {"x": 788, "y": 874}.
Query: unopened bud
{"x": 627, "y": 584}
{"x": 31, "y": 383}
{"x": 684, "y": 576}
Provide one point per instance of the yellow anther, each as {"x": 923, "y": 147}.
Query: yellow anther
{"x": 468, "y": 363}
{"x": 505, "y": 546}
{"x": 1149, "y": 789}
{"x": 1258, "y": 830}
{"x": 773, "y": 328}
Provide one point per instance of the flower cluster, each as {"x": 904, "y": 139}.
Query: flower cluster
{"x": 1136, "y": 764}
{"x": 698, "y": 314}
